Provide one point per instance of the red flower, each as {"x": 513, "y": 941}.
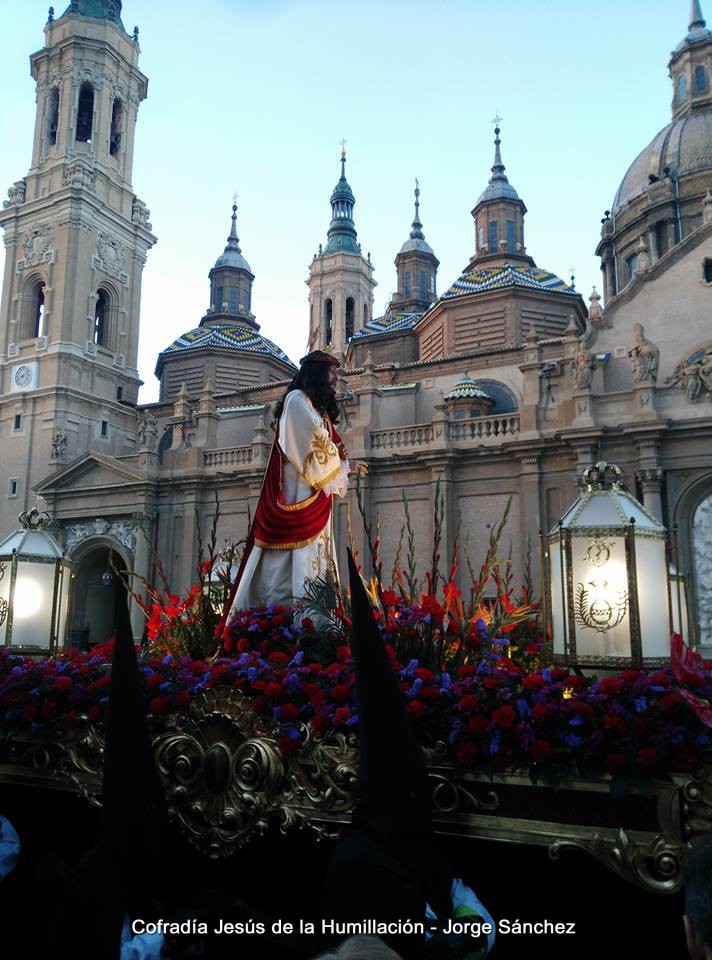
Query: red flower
{"x": 288, "y": 712}
{"x": 343, "y": 654}
{"x": 504, "y": 716}
{"x": 541, "y": 751}
{"x": 272, "y": 690}
{"x": 154, "y": 680}
{"x": 429, "y": 605}
{"x": 279, "y": 658}
{"x": 198, "y": 666}
{"x": 532, "y": 649}
{"x": 182, "y": 698}
{"x": 29, "y": 713}
{"x": 490, "y": 683}
{"x": 158, "y": 706}
{"x": 415, "y": 708}
{"x": 422, "y": 673}
{"x": 469, "y": 703}
{"x": 390, "y": 598}
{"x": 94, "y": 713}
{"x": 320, "y": 722}
{"x": 49, "y": 708}
{"x": 63, "y": 683}
{"x": 610, "y": 686}
{"x": 341, "y": 692}
{"x": 614, "y": 722}
{"x": 534, "y": 681}
{"x": 307, "y": 624}
{"x": 541, "y": 711}
{"x": 477, "y": 725}
{"x": 342, "y": 715}
{"x": 670, "y": 702}
{"x": 646, "y": 759}
{"x": 467, "y": 753}
{"x": 466, "y": 670}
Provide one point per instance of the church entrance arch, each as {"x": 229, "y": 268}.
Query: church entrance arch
{"x": 94, "y": 594}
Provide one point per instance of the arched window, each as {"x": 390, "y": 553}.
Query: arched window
{"x": 681, "y": 87}
{"x": 101, "y": 315}
{"x": 700, "y": 81}
{"x": 39, "y": 313}
{"x": 52, "y": 116}
{"x": 349, "y": 317}
{"x": 329, "y": 319}
{"x": 232, "y": 301}
{"x": 365, "y": 314}
{"x": 218, "y": 303}
{"x": 422, "y": 280}
{"x": 407, "y": 285}
{"x": 85, "y": 113}
{"x": 246, "y": 298}
{"x": 117, "y": 121}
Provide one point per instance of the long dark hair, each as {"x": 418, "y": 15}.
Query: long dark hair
{"x": 313, "y": 379}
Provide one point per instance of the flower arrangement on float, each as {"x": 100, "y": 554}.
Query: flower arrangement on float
{"x": 474, "y": 673}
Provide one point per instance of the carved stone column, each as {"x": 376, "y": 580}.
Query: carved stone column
{"x": 651, "y": 483}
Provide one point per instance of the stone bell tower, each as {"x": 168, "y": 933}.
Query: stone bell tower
{"x": 340, "y": 280}
{"x": 76, "y": 240}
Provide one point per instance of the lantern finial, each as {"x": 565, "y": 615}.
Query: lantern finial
{"x": 602, "y": 476}
{"x": 34, "y": 519}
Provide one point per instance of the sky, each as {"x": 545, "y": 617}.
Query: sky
{"x": 254, "y": 97}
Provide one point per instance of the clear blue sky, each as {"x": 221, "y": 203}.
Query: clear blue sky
{"x": 254, "y": 96}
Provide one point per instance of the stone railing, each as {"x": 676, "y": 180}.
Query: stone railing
{"x": 486, "y": 429}
{"x": 231, "y": 458}
{"x": 479, "y": 431}
{"x": 403, "y": 438}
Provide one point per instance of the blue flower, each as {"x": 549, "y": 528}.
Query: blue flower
{"x": 576, "y": 720}
{"x": 641, "y": 704}
{"x": 495, "y": 742}
{"x": 571, "y": 740}
{"x": 252, "y": 674}
{"x": 445, "y": 681}
{"x": 523, "y": 708}
{"x": 253, "y": 628}
{"x": 165, "y": 686}
{"x": 297, "y": 659}
{"x": 547, "y": 675}
{"x": 167, "y": 660}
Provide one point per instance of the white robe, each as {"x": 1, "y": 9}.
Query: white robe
{"x": 312, "y": 463}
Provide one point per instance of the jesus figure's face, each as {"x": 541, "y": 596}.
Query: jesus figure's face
{"x": 333, "y": 376}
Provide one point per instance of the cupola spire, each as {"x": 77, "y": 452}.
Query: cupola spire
{"x": 697, "y": 21}
{"x": 341, "y": 235}
{"x": 416, "y": 232}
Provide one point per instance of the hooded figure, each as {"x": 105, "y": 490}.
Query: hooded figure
{"x": 387, "y": 867}
{"x": 129, "y": 870}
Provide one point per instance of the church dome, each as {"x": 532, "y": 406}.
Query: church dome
{"x": 684, "y": 146}
{"x": 232, "y": 258}
{"x": 238, "y": 337}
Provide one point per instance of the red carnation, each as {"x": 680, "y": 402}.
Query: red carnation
{"x": 541, "y": 711}
{"x": 343, "y": 654}
{"x": 63, "y": 683}
{"x": 466, "y": 670}
{"x": 341, "y": 692}
{"x": 279, "y": 658}
{"x": 342, "y": 716}
{"x": 614, "y": 722}
{"x": 646, "y": 759}
{"x": 534, "y": 681}
{"x": 272, "y": 690}
{"x": 158, "y": 706}
{"x": 469, "y": 703}
{"x": 610, "y": 686}
{"x": 541, "y": 751}
{"x": 670, "y": 702}
{"x": 320, "y": 722}
{"x": 154, "y": 680}
{"x": 415, "y": 708}
{"x": 49, "y": 708}
{"x": 308, "y": 624}
{"x": 182, "y": 698}
{"x": 288, "y": 712}
{"x": 467, "y": 753}
{"x": 422, "y": 673}
{"x": 504, "y": 716}
{"x": 490, "y": 683}
{"x": 477, "y": 725}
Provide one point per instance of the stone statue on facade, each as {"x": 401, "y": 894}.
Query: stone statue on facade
{"x": 59, "y": 446}
{"x": 583, "y": 366}
{"x": 687, "y": 377}
{"x": 148, "y": 432}
{"x": 595, "y": 311}
{"x": 644, "y": 356}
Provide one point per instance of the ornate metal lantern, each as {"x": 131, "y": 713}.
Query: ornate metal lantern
{"x": 34, "y": 587}
{"x": 608, "y": 579}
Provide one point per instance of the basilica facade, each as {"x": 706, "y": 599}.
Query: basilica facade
{"x": 504, "y": 385}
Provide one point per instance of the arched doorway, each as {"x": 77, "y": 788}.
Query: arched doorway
{"x": 94, "y": 595}
{"x": 702, "y": 558}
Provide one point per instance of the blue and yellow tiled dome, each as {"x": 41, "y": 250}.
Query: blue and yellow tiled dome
{"x": 241, "y": 337}
{"x": 466, "y": 389}
{"x": 507, "y": 275}
{"x": 391, "y": 323}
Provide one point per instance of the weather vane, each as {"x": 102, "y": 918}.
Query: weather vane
{"x": 343, "y": 146}
{"x": 497, "y": 119}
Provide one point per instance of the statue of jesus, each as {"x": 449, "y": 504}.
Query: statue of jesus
{"x": 291, "y": 539}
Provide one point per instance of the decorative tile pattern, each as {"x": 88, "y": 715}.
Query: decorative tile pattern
{"x": 232, "y": 336}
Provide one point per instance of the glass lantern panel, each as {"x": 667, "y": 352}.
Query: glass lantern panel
{"x": 5, "y": 573}
{"x": 678, "y": 598}
{"x": 652, "y": 596}
{"x": 63, "y": 606}
{"x": 601, "y": 602}
{"x": 32, "y": 605}
{"x": 557, "y": 602}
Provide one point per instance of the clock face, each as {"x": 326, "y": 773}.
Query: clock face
{"x": 23, "y": 375}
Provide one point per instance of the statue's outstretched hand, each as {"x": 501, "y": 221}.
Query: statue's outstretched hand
{"x": 359, "y": 467}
